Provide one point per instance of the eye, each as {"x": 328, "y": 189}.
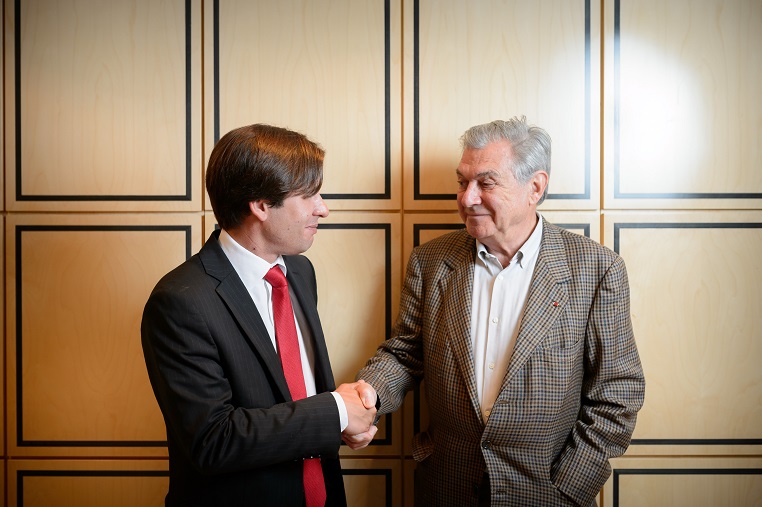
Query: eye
{"x": 462, "y": 184}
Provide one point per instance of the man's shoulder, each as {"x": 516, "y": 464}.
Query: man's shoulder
{"x": 448, "y": 243}
{"x": 575, "y": 250}
{"x": 190, "y": 270}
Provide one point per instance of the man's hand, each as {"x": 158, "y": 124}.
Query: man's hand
{"x": 358, "y": 440}
{"x": 361, "y": 440}
{"x": 360, "y": 400}
{"x": 367, "y": 393}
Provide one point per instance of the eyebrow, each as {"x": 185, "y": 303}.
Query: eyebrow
{"x": 483, "y": 174}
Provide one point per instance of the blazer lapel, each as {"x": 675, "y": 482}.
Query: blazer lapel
{"x": 548, "y": 295}
{"x": 242, "y": 309}
{"x": 456, "y": 286}
{"x": 300, "y": 283}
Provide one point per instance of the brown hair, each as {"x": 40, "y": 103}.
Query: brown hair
{"x": 260, "y": 162}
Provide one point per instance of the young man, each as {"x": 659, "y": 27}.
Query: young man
{"x": 233, "y": 342}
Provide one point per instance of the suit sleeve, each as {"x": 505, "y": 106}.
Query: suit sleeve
{"x": 194, "y": 386}
{"x": 612, "y": 392}
{"x": 397, "y": 365}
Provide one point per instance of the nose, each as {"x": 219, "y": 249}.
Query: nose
{"x": 321, "y": 209}
{"x": 470, "y": 196}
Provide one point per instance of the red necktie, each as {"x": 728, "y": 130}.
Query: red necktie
{"x": 288, "y": 349}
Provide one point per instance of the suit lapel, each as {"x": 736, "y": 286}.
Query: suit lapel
{"x": 242, "y": 309}
{"x": 300, "y": 282}
{"x": 548, "y": 295}
{"x": 456, "y": 286}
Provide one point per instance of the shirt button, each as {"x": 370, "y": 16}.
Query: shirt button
{"x": 500, "y": 277}
{"x": 488, "y": 412}
{"x": 491, "y": 366}
{"x": 494, "y": 320}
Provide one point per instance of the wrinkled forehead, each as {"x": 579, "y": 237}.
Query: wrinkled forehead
{"x": 494, "y": 158}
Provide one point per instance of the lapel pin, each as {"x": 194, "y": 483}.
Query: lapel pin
{"x": 555, "y": 303}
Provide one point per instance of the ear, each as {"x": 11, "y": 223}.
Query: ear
{"x": 537, "y": 186}
{"x": 260, "y": 209}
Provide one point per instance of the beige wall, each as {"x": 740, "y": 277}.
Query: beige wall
{"x": 111, "y": 110}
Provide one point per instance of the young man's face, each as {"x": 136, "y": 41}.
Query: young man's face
{"x": 291, "y": 228}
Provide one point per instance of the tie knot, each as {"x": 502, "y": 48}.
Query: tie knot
{"x": 276, "y": 277}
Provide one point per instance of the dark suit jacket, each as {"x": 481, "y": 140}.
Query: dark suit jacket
{"x": 235, "y": 436}
{"x": 569, "y": 397}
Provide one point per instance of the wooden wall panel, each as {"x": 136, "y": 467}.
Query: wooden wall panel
{"x": 87, "y": 483}
{"x": 357, "y": 263}
{"x": 696, "y": 300}
{"x": 682, "y": 85}
{"x": 76, "y": 286}
{"x": 3, "y": 406}
{"x": 676, "y": 482}
{"x": 471, "y": 63}
{"x": 115, "y": 108}
{"x": 329, "y": 70}
{"x": 373, "y": 482}
{"x": 102, "y": 105}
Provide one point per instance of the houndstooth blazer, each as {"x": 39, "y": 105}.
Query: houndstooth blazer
{"x": 570, "y": 394}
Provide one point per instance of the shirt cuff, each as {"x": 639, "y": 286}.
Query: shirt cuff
{"x": 343, "y": 416}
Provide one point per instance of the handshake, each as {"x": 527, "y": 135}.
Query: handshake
{"x": 360, "y": 400}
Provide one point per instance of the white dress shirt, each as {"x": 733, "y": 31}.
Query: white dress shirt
{"x": 252, "y": 270}
{"x": 497, "y": 304}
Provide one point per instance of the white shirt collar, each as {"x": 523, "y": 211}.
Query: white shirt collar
{"x": 528, "y": 250}
{"x": 249, "y": 266}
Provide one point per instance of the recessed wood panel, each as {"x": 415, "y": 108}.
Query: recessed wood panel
{"x": 334, "y": 75}
{"x": 682, "y": 85}
{"x": 3, "y": 404}
{"x": 696, "y": 296}
{"x": 669, "y": 482}
{"x": 467, "y": 64}
{"x": 373, "y": 482}
{"x": 103, "y": 105}
{"x": 357, "y": 264}
{"x": 76, "y": 286}
{"x": 87, "y": 483}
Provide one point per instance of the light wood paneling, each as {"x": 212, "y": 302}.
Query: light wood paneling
{"x": 87, "y": 483}
{"x": 373, "y": 482}
{"x": 469, "y": 63}
{"x": 357, "y": 262}
{"x": 676, "y": 482}
{"x": 76, "y": 286}
{"x": 696, "y": 299}
{"x": 683, "y": 107}
{"x": 3, "y": 404}
{"x": 329, "y": 70}
{"x": 103, "y": 105}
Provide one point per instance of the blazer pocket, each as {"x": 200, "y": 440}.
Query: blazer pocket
{"x": 423, "y": 447}
{"x": 562, "y": 341}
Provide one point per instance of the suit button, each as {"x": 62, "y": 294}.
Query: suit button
{"x": 486, "y": 445}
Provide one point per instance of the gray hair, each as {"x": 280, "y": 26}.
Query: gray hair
{"x": 531, "y": 145}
